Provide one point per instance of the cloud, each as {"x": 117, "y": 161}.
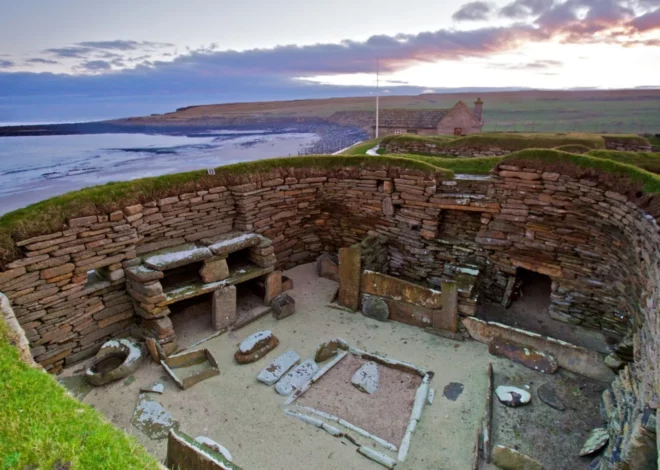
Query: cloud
{"x": 474, "y": 11}
{"x": 123, "y": 45}
{"x": 647, "y": 22}
{"x": 39, "y": 60}
{"x": 535, "y": 65}
{"x": 70, "y": 52}
{"x": 95, "y": 65}
{"x": 525, "y": 8}
{"x": 6, "y": 64}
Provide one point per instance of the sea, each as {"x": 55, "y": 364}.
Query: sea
{"x": 37, "y": 168}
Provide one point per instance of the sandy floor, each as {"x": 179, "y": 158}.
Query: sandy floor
{"x": 247, "y": 417}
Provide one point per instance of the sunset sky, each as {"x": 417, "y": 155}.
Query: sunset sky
{"x": 260, "y": 49}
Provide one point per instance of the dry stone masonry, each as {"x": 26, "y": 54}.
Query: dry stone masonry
{"x": 106, "y": 275}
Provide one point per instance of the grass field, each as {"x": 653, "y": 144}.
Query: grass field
{"x": 611, "y": 111}
{"x": 43, "y": 427}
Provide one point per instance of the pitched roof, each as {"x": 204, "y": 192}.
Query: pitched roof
{"x": 411, "y": 118}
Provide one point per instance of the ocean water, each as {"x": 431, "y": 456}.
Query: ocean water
{"x": 35, "y": 168}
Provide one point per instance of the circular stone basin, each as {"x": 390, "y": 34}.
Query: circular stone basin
{"x": 115, "y": 360}
{"x": 109, "y": 363}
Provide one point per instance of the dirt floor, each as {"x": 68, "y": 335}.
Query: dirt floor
{"x": 247, "y": 417}
{"x": 530, "y": 312}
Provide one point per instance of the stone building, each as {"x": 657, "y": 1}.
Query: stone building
{"x": 459, "y": 120}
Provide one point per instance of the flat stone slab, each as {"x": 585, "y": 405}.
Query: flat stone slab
{"x": 255, "y": 341}
{"x": 367, "y": 378}
{"x": 276, "y": 369}
{"x": 512, "y": 396}
{"x": 453, "y": 390}
{"x": 548, "y": 395}
{"x": 143, "y": 274}
{"x": 523, "y": 355}
{"x": 509, "y": 459}
{"x": 156, "y": 387}
{"x": 232, "y": 241}
{"x": 214, "y": 446}
{"x": 175, "y": 256}
{"x": 596, "y": 441}
{"x": 296, "y": 378}
{"x": 152, "y": 419}
{"x": 76, "y": 385}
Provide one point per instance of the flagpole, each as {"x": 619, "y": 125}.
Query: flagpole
{"x": 377, "y": 97}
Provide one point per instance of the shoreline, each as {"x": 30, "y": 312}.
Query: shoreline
{"x": 31, "y": 192}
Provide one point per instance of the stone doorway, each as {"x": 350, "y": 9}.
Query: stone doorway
{"x": 532, "y": 290}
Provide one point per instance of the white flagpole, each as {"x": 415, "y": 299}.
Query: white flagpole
{"x": 377, "y": 97}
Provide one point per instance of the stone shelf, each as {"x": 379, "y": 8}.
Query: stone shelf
{"x": 237, "y": 274}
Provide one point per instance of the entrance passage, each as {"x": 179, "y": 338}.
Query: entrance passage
{"x": 529, "y": 311}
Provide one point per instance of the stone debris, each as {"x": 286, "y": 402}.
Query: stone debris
{"x": 156, "y": 387}
{"x": 283, "y": 306}
{"x": 329, "y": 366}
{"x": 276, "y": 369}
{"x": 270, "y": 344}
{"x": 512, "y": 396}
{"x": 453, "y": 390}
{"x": 430, "y": 397}
{"x": 375, "y": 307}
{"x": 614, "y": 362}
{"x": 296, "y": 378}
{"x": 596, "y": 441}
{"x": 367, "y": 378}
{"x": 523, "y": 355}
{"x": 152, "y": 419}
{"x": 214, "y": 446}
{"x": 327, "y": 350}
{"x": 548, "y": 395}
{"x": 510, "y": 459}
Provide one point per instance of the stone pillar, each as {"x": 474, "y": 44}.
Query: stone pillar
{"x": 272, "y": 286}
{"x": 214, "y": 269}
{"x": 223, "y": 313}
{"x": 447, "y": 317}
{"x": 349, "y": 277}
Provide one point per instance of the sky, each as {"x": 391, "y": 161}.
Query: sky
{"x": 170, "y": 52}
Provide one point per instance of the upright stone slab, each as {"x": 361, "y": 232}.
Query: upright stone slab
{"x": 223, "y": 313}
{"x": 272, "y": 286}
{"x": 447, "y": 317}
{"x": 185, "y": 452}
{"x": 214, "y": 269}
{"x": 349, "y": 277}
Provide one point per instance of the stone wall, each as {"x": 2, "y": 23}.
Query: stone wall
{"x": 612, "y": 143}
{"x": 598, "y": 246}
{"x": 433, "y": 149}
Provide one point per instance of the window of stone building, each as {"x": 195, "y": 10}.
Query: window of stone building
{"x": 398, "y": 132}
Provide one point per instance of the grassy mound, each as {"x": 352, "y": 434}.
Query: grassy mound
{"x": 470, "y": 166}
{"x": 573, "y": 148}
{"x": 626, "y": 139}
{"x": 43, "y": 425}
{"x": 504, "y": 141}
{"x": 645, "y": 160}
{"x": 361, "y": 148}
{"x": 50, "y": 215}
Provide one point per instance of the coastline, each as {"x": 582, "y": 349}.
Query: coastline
{"x": 25, "y": 194}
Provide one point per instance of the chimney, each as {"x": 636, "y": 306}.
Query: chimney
{"x": 478, "y": 109}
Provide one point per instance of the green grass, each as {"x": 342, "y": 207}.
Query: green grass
{"x": 505, "y": 141}
{"x": 573, "y": 148}
{"x": 50, "y": 215}
{"x": 361, "y": 148}
{"x": 645, "y": 160}
{"x": 40, "y": 424}
{"x": 626, "y": 138}
{"x": 472, "y": 166}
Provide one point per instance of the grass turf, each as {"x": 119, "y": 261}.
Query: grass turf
{"x": 645, "y": 160}
{"x": 43, "y": 425}
{"x": 361, "y": 148}
{"x": 505, "y": 141}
